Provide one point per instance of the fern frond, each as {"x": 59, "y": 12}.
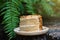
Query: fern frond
{"x": 11, "y": 17}
{"x": 29, "y": 6}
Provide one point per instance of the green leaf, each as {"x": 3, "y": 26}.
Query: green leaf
{"x": 47, "y": 8}
{"x": 11, "y": 17}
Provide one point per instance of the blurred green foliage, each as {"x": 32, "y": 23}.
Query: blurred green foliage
{"x": 2, "y": 3}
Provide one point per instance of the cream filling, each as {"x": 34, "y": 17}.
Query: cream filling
{"x": 27, "y": 25}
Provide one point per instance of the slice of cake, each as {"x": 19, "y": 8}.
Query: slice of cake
{"x": 30, "y": 23}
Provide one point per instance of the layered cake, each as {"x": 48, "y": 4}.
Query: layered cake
{"x": 30, "y": 23}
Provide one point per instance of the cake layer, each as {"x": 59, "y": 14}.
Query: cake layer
{"x": 30, "y": 17}
{"x": 29, "y": 28}
{"x": 29, "y": 22}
